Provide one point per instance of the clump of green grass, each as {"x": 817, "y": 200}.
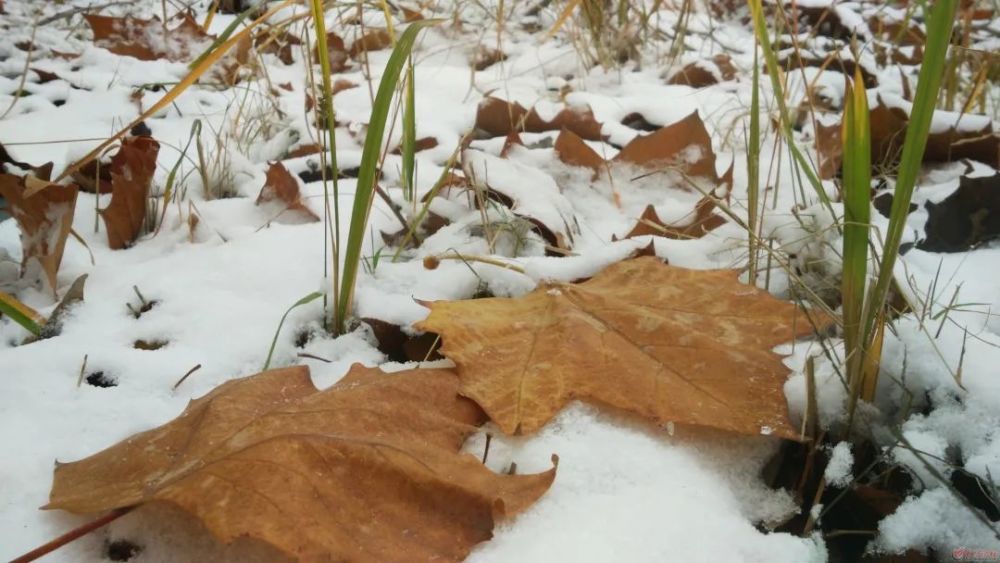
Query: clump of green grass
{"x": 865, "y": 312}
{"x": 368, "y": 171}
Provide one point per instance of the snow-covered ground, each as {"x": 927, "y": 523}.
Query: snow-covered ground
{"x": 624, "y": 491}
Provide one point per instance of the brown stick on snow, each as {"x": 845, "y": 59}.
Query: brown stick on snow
{"x": 72, "y": 535}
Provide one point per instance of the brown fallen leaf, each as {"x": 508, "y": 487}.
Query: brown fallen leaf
{"x": 704, "y": 222}
{"x": 888, "y": 127}
{"x": 374, "y": 40}
{"x": 484, "y": 57}
{"x": 277, "y": 42}
{"x": 147, "y": 40}
{"x": 830, "y": 149}
{"x": 684, "y": 146}
{"x": 131, "y": 171}
{"x": 367, "y": 470}
{"x": 500, "y": 118}
{"x": 669, "y": 344}
{"x": 304, "y": 150}
{"x": 281, "y": 186}
{"x": 337, "y": 52}
{"x": 703, "y": 219}
{"x": 44, "y": 215}
{"x": 421, "y": 144}
{"x": 341, "y": 84}
{"x": 705, "y": 73}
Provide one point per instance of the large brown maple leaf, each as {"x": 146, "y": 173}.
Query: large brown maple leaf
{"x": 367, "y": 470}
{"x": 671, "y": 344}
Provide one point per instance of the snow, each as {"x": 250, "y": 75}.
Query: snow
{"x": 624, "y": 490}
{"x": 643, "y": 496}
{"x": 838, "y": 469}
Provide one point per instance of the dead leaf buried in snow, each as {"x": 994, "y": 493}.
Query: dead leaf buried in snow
{"x": 147, "y": 40}
{"x": 700, "y": 74}
{"x": 500, "y": 118}
{"x": 528, "y": 192}
{"x": 374, "y": 40}
{"x": 684, "y": 146}
{"x": 337, "y": 53}
{"x": 888, "y": 126}
{"x": 131, "y": 170}
{"x": 367, "y": 470}
{"x": 669, "y": 344}
{"x": 280, "y": 186}
{"x": 45, "y": 218}
{"x": 703, "y": 220}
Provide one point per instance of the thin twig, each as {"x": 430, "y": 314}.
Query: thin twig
{"x": 185, "y": 376}
{"x": 72, "y": 535}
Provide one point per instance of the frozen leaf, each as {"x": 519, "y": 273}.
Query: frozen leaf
{"x": 131, "y": 171}
{"x": 967, "y": 218}
{"x": 367, "y": 470}
{"x": 280, "y": 186}
{"x": 669, "y": 344}
{"x": 500, "y": 118}
{"x": 684, "y": 146}
{"x": 44, "y": 215}
{"x": 148, "y": 40}
{"x": 700, "y": 74}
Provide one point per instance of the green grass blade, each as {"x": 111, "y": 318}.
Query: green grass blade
{"x": 21, "y": 314}
{"x": 409, "y": 136}
{"x": 939, "y": 28}
{"x": 307, "y": 299}
{"x": 856, "y": 168}
{"x": 753, "y": 168}
{"x": 364, "y": 195}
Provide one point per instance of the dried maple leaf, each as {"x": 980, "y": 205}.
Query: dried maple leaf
{"x": 500, "y": 118}
{"x": 684, "y": 145}
{"x": 367, "y": 470}
{"x": 131, "y": 170}
{"x": 44, "y": 215}
{"x": 282, "y": 187}
{"x": 147, "y": 40}
{"x": 670, "y": 344}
